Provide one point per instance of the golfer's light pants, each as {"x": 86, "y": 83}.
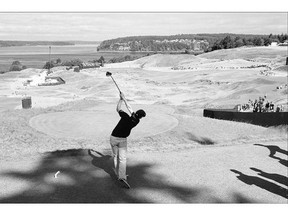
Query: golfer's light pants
{"x": 119, "y": 151}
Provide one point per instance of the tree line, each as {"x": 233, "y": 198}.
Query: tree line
{"x": 205, "y": 42}
{"x": 230, "y": 41}
{"x": 78, "y": 62}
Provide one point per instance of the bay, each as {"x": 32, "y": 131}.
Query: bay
{"x": 37, "y": 56}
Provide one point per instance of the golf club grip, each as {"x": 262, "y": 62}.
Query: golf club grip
{"x": 126, "y": 106}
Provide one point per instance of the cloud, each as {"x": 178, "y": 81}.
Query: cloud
{"x": 101, "y": 26}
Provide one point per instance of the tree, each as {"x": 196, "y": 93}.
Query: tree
{"x": 16, "y": 66}
{"x": 217, "y": 45}
{"x": 244, "y": 41}
{"x": 58, "y": 61}
{"x": 282, "y": 38}
{"x": 239, "y": 43}
{"x": 267, "y": 41}
{"x": 249, "y": 42}
{"x": 101, "y": 59}
{"x": 16, "y": 63}
{"x": 257, "y": 41}
{"x": 187, "y": 51}
{"x": 127, "y": 58}
{"x": 133, "y": 46}
{"x": 48, "y": 65}
{"x": 227, "y": 42}
{"x": 74, "y": 62}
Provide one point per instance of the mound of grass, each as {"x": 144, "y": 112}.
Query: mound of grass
{"x": 285, "y": 92}
{"x": 73, "y": 62}
{"x": 282, "y": 68}
{"x": 17, "y": 66}
{"x": 246, "y": 53}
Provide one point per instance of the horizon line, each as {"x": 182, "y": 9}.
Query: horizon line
{"x": 143, "y": 36}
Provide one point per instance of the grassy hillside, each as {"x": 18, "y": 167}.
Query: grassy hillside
{"x": 247, "y": 53}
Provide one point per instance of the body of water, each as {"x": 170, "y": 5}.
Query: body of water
{"x": 37, "y": 56}
{"x": 36, "y": 50}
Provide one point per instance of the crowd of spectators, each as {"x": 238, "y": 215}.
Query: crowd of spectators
{"x": 282, "y": 86}
{"x": 261, "y": 105}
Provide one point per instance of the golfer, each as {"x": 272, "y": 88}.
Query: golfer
{"x": 118, "y": 139}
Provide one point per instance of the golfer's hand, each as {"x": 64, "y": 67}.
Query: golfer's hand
{"x": 122, "y": 97}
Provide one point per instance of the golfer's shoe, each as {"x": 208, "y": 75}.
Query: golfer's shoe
{"x": 126, "y": 177}
{"x": 114, "y": 171}
{"x": 124, "y": 183}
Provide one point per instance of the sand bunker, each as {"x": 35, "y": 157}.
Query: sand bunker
{"x": 98, "y": 123}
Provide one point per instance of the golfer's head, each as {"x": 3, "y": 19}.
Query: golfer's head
{"x": 140, "y": 114}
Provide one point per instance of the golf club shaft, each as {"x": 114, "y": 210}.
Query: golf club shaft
{"x": 116, "y": 84}
{"x": 120, "y": 92}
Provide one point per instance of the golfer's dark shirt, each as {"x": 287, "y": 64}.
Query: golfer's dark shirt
{"x": 125, "y": 125}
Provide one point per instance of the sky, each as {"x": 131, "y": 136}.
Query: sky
{"x": 99, "y": 26}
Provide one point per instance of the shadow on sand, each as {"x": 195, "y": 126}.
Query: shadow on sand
{"x": 268, "y": 185}
{"x": 273, "y": 176}
{"x": 262, "y": 183}
{"x": 276, "y": 149}
{"x": 200, "y": 140}
{"x": 87, "y": 177}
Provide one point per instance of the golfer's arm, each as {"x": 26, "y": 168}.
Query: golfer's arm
{"x": 118, "y": 108}
{"x": 128, "y": 106}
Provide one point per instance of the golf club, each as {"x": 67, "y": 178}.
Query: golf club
{"x": 109, "y": 74}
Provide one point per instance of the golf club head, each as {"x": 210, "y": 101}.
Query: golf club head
{"x": 108, "y": 74}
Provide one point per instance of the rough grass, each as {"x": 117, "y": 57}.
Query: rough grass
{"x": 282, "y": 68}
{"x": 18, "y": 138}
{"x": 162, "y": 60}
{"x": 247, "y": 53}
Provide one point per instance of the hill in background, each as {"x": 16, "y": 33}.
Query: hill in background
{"x": 189, "y": 42}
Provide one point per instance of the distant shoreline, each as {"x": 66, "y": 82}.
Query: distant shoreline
{"x": 11, "y": 43}
{"x": 37, "y": 59}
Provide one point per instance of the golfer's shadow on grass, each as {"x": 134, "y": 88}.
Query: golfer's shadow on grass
{"x": 262, "y": 183}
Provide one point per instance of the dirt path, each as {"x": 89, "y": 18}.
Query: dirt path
{"x": 227, "y": 174}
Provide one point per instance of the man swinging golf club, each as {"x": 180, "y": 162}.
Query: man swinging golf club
{"x": 118, "y": 138}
